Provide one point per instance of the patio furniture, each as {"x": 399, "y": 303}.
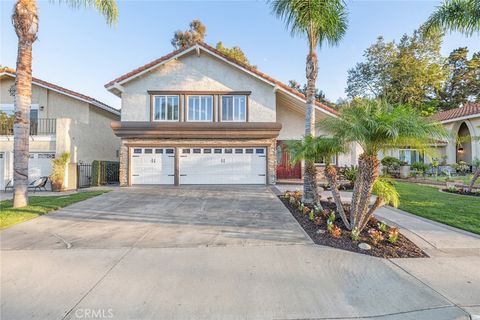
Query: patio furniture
{"x": 40, "y": 184}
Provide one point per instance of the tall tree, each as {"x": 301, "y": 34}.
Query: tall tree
{"x": 463, "y": 79}
{"x": 456, "y": 15}
{"x": 25, "y": 22}
{"x": 410, "y": 72}
{"x": 235, "y": 53}
{"x": 321, "y": 21}
{"x": 194, "y": 34}
{"x": 319, "y": 94}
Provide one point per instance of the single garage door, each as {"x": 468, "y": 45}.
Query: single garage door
{"x": 153, "y": 166}
{"x": 222, "y": 166}
{"x": 40, "y": 165}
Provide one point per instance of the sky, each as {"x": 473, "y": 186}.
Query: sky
{"x": 76, "y": 49}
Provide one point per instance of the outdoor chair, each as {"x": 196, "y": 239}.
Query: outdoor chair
{"x": 40, "y": 183}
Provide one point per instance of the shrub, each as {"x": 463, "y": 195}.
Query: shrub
{"x": 331, "y": 217}
{"x": 350, "y": 174}
{"x": 461, "y": 167}
{"x": 58, "y": 167}
{"x": 355, "y": 235}
{"x": 329, "y": 225}
{"x": 335, "y": 231}
{"x": 311, "y": 215}
{"x": 306, "y": 210}
{"x": 392, "y": 234}
{"x": 420, "y": 167}
{"x": 391, "y": 163}
{"x": 376, "y": 235}
{"x": 382, "y": 226}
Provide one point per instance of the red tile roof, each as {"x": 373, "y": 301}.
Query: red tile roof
{"x": 467, "y": 110}
{"x": 52, "y": 86}
{"x": 238, "y": 63}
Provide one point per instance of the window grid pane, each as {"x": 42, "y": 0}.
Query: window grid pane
{"x": 234, "y": 108}
{"x": 166, "y": 108}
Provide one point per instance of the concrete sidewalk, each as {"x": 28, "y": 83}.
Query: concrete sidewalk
{"x": 158, "y": 253}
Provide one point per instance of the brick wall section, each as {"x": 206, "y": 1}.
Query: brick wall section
{"x": 123, "y": 178}
{"x": 270, "y": 144}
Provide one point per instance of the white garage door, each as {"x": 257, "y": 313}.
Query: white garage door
{"x": 40, "y": 165}
{"x": 153, "y": 165}
{"x": 222, "y": 166}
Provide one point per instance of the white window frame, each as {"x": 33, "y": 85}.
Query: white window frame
{"x": 200, "y": 106}
{"x": 420, "y": 156}
{"x": 233, "y": 99}
{"x": 166, "y": 96}
{"x": 11, "y": 106}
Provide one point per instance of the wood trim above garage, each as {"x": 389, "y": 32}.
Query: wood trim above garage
{"x": 198, "y": 130}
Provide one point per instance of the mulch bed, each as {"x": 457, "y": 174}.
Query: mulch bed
{"x": 463, "y": 192}
{"x": 403, "y": 248}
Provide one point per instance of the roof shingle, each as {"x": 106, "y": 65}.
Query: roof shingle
{"x": 467, "y": 110}
{"x": 52, "y": 86}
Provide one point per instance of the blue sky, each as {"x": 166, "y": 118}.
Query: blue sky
{"x": 77, "y": 50}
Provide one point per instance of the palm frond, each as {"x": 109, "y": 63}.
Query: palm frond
{"x": 385, "y": 188}
{"x": 376, "y": 126}
{"x": 108, "y": 8}
{"x": 323, "y": 21}
{"x": 311, "y": 148}
{"x": 455, "y": 15}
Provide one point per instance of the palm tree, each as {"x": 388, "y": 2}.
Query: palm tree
{"x": 322, "y": 21}
{"x": 456, "y": 15}
{"x": 312, "y": 148}
{"x": 376, "y": 126}
{"x": 25, "y": 22}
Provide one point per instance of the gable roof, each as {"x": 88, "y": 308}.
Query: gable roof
{"x": 471, "y": 109}
{"x": 246, "y": 68}
{"x": 12, "y": 73}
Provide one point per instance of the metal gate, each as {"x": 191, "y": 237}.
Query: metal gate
{"x": 109, "y": 172}
{"x": 84, "y": 175}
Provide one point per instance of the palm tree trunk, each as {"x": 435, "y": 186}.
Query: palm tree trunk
{"x": 311, "y": 71}
{"x": 377, "y": 204}
{"x": 331, "y": 175}
{"x": 368, "y": 173}
{"x": 25, "y": 22}
{"x": 475, "y": 177}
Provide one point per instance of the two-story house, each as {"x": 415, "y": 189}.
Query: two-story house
{"x": 196, "y": 116}
{"x": 61, "y": 120}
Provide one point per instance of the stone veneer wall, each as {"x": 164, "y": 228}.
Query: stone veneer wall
{"x": 270, "y": 144}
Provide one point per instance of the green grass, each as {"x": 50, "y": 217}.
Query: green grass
{"x": 39, "y": 205}
{"x": 462, "y": 212}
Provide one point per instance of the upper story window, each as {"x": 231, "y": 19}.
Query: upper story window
{"x": 234, "y": 108}
{"x": 200, "y": 108}
{"x": 8, "y": 109}
{"x": 166, "y": 108}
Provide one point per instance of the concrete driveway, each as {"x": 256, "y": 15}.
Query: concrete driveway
{"x": 197, "y": 253}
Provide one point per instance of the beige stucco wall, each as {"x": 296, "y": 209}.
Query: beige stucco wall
{"x": 197, "y": 73}
{"x": 81, "y": 128}
{"x": 473, "y": 125}
{"x": 293, "y": 128}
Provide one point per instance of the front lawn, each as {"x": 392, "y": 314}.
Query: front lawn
{"x": 39, "y": 205}
{"x": 457, "y": 211}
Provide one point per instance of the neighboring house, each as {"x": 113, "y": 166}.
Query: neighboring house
{"x": 196, "y": 116}
{"x": 463, "y": 124}
{"x": 61, "y": 120}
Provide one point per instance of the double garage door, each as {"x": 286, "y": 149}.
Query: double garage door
{"x": 199, "y": 165}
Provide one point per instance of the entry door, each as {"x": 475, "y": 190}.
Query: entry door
{"x": 222, "y": 166}
{"x": 152, "y": 166}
